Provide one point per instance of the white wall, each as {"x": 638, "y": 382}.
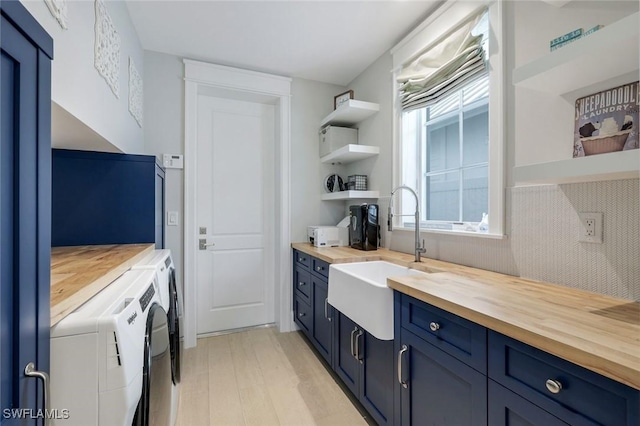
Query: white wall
{"x": 541, "y": 222}
{"x": 311, "y": 101}
{"x": 164, "y": 134}
{"x": 78, "y": 88}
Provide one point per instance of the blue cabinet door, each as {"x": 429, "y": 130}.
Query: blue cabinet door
{"x": 322, "y": 332}
{"x": 25, "y": 198}
{"x": 441, "y": 390}
{"x": 377, "y": 378}
{"x": 345, "y": 364}
{"x": 106, "y": 198}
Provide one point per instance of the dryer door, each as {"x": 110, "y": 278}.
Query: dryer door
{"x": 174, "y": 326}
{"x": 155, "y": 403}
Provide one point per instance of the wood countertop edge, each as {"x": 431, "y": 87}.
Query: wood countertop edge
{"x": 60, "y": 310}
{"x": 614, "y": 367}
{"x": 621, "y": 372}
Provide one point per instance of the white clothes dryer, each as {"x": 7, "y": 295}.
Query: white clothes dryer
{"x": 110, "y": 358}
{"x": 161, "y": 262}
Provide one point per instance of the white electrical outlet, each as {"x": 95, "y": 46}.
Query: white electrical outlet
{"x": 590, "y": 227}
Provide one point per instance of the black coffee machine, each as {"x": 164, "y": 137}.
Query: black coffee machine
{"x": 364, "y": 228}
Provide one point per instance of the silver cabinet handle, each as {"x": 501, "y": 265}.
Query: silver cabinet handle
{"x": 302, "y": 259}
{"x": 353, "y": 352}
{"x": 553, "y": 386}
{"x": 326, "y": 309}
{"x": 360, "y": 333}
{"x": 319, "y": 268}
{"x": 301, "y": 283}
{"x": 434, "y": 326}
{"x": 30, "y": 371}
{"x": 300, "y": 314}
{"x": 400, "y": 357}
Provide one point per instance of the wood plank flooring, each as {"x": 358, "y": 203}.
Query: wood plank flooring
{"x": 260, "y": 377}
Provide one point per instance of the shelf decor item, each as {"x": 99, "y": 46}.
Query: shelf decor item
{"x": 333, "y": 183}
{"x": 357, "y": 183}
{"x": 565, "y": 39}
{"x": 607, "y": 121}
{"x": 342, "y": 98}
{"x": 107, "y": 48}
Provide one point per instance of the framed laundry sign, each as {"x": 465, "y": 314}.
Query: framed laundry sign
{"x": 607, "y": 121}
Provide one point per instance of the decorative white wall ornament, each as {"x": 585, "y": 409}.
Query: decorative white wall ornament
{"x": 135, "y": 92}
{"x": 107, "y": 48}
{"x": 58, "y": 9}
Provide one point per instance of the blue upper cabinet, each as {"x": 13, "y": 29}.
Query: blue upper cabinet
{"x": 25, "y": 207}
{"x": 106, "y": 198}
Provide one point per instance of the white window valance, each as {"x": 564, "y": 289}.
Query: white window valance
{"x": 456, "y": 59}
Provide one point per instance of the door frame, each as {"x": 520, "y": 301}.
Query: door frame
{"x": 236, "y": 83}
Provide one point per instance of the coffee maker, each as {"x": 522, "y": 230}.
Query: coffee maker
{"x": 364, "y": 228}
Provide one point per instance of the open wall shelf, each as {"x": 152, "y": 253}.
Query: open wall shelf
{"x": 350, "y": 153}
{"x": 609, "y": 52}
{"x": 350, "y": 195}
{"x": 612, "y": 166}
{"x": 350, "y": 113}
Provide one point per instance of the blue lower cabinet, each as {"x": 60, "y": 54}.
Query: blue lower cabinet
{"x": 322, "y": 328}
{"x": 377, "y": 378}
{"x": 365, "y": 365}
{"x": 509, "y": 409}
{"x": 345, "y": 362}
{"x": 567, "y": 391}
{"x": 437, "y": 388}
{"x": 302, "y": 315}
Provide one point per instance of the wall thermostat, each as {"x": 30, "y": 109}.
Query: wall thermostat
{"x": 173, "y": 161}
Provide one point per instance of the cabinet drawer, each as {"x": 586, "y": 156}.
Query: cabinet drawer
{"x": 508, "y": 409}
{"x": 302, "y": 314}
{"x": 463, "y": 339}
{"x": 302, "y": 283}
{"x": 301, "y": 259}
{"x": 320, "y": 267}
{"x": 572, "y": 393}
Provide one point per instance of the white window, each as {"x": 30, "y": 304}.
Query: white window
{"x": 448, "y": 148}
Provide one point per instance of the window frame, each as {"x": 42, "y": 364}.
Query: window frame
{"x": 416, "y": 42}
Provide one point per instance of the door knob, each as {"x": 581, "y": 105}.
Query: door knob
{"x": 202, "y": 244}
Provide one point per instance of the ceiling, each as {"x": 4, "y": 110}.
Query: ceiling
{"x": 328, "y": 41}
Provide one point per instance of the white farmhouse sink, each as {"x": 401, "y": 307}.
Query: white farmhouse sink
{"x": 359, "y": 290}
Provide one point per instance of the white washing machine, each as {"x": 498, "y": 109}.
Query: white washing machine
{"x": 161, "y": 262}
{"x": 110, "y": 358}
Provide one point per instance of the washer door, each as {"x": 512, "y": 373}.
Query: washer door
{"x": 174, "y": 327}
{"x": 155, "y": 404}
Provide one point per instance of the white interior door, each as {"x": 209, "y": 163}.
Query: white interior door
{"x": 234, "y": 213}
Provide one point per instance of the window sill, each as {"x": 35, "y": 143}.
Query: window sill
{"x": 454, "y": 233}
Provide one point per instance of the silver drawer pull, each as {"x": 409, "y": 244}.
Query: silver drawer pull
{"x": 434, "y": 326}
{"x": 301, "y": 283}
{"x": 319, "y": 268}
{"x": 553, "y": 386}
{"x": 301, "y": 314}
{"x": 302, "y": 259}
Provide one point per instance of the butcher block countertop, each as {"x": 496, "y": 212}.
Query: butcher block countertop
{"x": 597, "y": 332}
{"x": 78, "y": 273}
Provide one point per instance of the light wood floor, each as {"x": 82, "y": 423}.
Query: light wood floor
{"x": 260, "y": 377}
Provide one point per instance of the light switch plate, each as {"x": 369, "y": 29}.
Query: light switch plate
{"x": 173, "y": 161}
{"x": 172, "y": 218}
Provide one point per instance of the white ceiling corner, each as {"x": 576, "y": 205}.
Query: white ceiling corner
{"x": 328, "y": 41}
